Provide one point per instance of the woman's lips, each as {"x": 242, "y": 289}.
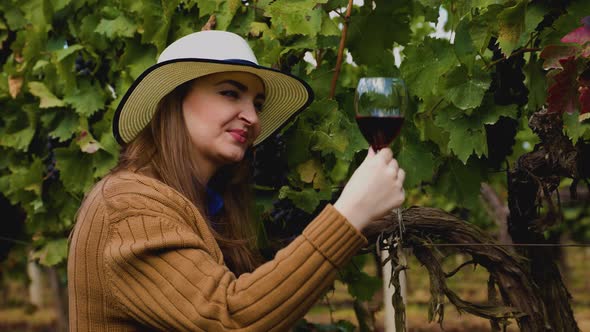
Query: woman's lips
{"x": 239, "y": 135}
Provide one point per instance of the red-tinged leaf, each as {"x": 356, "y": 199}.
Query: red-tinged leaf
{"x": 562, "y": 96}
{"x": 579, "y": 36}
{"x": 584, "y": 100}
{"x": 553, "y": 54}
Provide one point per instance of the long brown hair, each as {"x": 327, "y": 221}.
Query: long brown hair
{"x": 163, "y": 151}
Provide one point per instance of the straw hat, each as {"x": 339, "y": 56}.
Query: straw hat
{"x": 199, "y": 54}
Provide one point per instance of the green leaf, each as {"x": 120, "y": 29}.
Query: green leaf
{"x": 27, "y": 178}
{"x": 417, "y": 159}
{"x": 14, "y": 18}
{"x": 573, "y": 128}
{"x": 48, "y": 99}
{"x": 118, "y": 27}
{"x": 392, "y": 22}
{"x": 19, "y": 128}
{"x": 464, "y": 89}
{"x": 307, "y": 199}
{"x": 467, "y": 132}
{"x": 137, "y": 57}
{"x": 536, "y": 83}
{"x": 460, "y": 182}
{"x": 52, "y": 253}
{"x": 427, "y": 62}
{"x": 296, "y": 16}
{"x": 65, "y": 52}
{"x": 87, "y": 99}
{"x": 67, "y": 126}
{"x": 75, "y": 168}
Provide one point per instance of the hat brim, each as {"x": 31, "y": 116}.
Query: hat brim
{"x": 286, "y": 95}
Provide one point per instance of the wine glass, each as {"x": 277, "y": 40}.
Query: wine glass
{"x": 380, "y": 104}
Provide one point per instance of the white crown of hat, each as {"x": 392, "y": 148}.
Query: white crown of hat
{"x": 209, "y": 44}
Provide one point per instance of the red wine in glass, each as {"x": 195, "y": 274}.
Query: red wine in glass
{"x": 380, "y": 131}
{"x": 380, "y": 104}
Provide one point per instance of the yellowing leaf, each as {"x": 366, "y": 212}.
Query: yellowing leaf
{"x": 48, "y": 99}
{"x": 511, "y": 24}
{"x": 14, "y": 85}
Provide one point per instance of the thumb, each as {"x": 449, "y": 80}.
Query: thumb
{"x": 370, "y": 152}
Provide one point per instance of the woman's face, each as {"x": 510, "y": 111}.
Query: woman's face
{"x": 221, "y": 115}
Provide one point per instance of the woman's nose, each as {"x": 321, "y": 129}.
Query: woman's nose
{"x": 249, "y": 114}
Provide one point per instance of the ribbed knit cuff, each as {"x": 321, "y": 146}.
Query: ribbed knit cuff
{"x": 334, "y": 237}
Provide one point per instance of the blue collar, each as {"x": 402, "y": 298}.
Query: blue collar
{"x": 214, "y": 202}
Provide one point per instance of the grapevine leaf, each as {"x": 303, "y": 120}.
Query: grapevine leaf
{"x": 511, "y": 24}
{"x": 27, "y": 178}
{"x": 573, "y": 128}
{"x": 536, "y": 83}
{"x": 63, "y": 53}
{"x": 466, "y": 90}
{"x": 75, "y": 167}
{"x": 579, "y": 36}
{"x": 227, "y": 11}
{"x": 296, "y": 16}
{"x": 307, "y": 199}
{"x": 426, "y": 62}
{"x": 563, "y": 94}
{"x": 463, "y": 43}
{"x": 67, "y": 126}
{"x": 417, "y": 159}
{"x": 52, "y": 253}
{"x": 87, "y": 99}
{"x": 392, "y": 22}
{"x": 48, "y": 99}
{"x": 137, "y": 57}
{"x": 553, "y": 54}
{"x": 364, "y": 286}
{"x": 467, "y": 132}
{"x": 308, "y": 170}
{"x": 14, "y": 85}
{"x": 119, "y": 27}
{"x": 459, "y": 182}
{"x": 60, "y": 4}
{"x": 19, "y": 129}
{"x": 155, "y": 25}
{"x": 14, "y": 18}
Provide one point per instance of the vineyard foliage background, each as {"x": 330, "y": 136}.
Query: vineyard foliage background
{"x": 67, "y": 63}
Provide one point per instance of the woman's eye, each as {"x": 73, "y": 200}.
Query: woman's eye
{"x": 230, "y": 93}
{"x": 258, "y": 107}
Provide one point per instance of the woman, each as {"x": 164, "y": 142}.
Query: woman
{"x": 165, "y": 242}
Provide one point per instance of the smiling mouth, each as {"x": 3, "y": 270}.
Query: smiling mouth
{"x": 239, "y": 135}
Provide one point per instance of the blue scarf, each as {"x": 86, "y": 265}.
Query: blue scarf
{"x": 214, "y": 202}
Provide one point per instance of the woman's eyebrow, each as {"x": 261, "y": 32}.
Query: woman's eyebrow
{"x": 240, "y": 86}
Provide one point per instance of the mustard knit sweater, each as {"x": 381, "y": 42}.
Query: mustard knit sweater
{"x": 142, "y": 258}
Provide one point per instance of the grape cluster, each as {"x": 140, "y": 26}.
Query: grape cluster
{"x": 83, "y": 67}
{"x": 508, "y": 79}
{"x": 52, "y": 172}
{"x": 269, "y": 165}
{"x": 508, "y": 88}
{"x": 501, "y": 137}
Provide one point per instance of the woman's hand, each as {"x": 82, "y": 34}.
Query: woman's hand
{"x": 375, "y": 188}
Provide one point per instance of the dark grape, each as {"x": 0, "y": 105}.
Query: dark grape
{"x": 508, "y": 79}
{"x": 52, "y": 173}
{"x": 269, "y": 164}
{"x": 83, "y": 67}
{"x": 501, "y": 137}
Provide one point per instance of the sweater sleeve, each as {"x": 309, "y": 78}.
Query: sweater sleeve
{"x": 164, "y": 276}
